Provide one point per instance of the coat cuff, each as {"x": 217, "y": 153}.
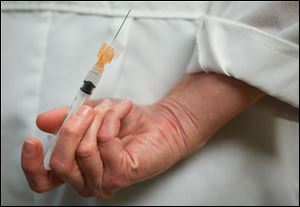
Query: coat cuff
{"x": 248, "y": 54}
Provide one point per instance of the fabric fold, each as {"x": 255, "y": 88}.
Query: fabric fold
{"x": 248, "y": 54}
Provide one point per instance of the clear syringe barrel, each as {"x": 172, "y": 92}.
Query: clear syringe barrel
{"x": 81, "y": 98}
{"x": 105, "y": 55}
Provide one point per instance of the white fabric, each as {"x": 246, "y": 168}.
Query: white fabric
{"x": 221, "y": 48}
{"x": 47, "y": 48}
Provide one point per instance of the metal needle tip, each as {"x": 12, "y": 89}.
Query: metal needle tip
{"x": 122, "y": 24}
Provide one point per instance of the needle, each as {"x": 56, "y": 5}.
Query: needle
{"x": 122, "y": 24}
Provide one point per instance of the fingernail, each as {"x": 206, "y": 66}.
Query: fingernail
{"x": 29, "y": 148}
{"x": 105, "y": 103}
{"x": 83, "y": 112}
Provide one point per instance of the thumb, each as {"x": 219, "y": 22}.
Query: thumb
{"x": 50, "y": 121}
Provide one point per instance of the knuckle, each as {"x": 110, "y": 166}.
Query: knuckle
{"x": 27, "y": 168}
{"x": 114, "y": 183}
{"x": 39, "y": 189}
{"x": 84, "y": 151}
{"x": 111, "y": 111}
{"x": 69, "y": 131}
{"x": 104, "y": 134}
{"x": 59, "y": 167}
{"x": 98, "y": 113}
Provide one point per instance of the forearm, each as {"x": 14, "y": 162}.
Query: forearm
{"x": 204, "y": 102}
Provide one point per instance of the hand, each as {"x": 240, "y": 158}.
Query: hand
{"x": 124, "y": 144}
{"x": 120, "y": 143}
{"x": 135, "y": 143}
{"x": 38, "y": 178}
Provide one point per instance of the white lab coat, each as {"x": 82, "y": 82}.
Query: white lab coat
{"x": 48, "y": 47}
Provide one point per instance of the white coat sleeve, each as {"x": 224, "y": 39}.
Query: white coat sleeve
{"x": 266, "y": 57}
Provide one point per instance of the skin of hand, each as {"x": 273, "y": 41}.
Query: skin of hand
{"x": 112, "y": 144}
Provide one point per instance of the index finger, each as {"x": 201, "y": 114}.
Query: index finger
{"x": 51, "y": 120}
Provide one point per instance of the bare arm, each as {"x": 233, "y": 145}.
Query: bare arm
{"x": 202, "y": 103}
{"x": 126, "y": 143}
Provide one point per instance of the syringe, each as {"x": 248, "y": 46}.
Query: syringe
{"x": 105, "y": 55}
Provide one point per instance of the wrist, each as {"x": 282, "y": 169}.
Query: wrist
{"x": 202, "y": 103}
{"x": 183, "y": 127}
